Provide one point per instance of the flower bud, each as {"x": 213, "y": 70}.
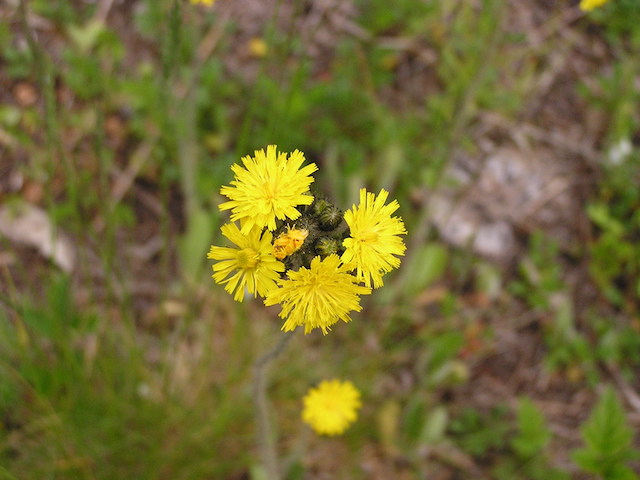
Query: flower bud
{"x": 327, "y": 246}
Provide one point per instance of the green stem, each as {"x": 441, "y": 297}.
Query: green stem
{"x": 43, "y": 72}
{"x": 265, "y": 438}
{"x": 168, "y": 126}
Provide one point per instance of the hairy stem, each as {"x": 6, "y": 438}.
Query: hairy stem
{"x": 265, "y": 438}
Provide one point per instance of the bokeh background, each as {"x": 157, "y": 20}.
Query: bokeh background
{"x": 507, "y": 346}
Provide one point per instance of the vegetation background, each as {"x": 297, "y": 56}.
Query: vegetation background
{"x": 507, "y": 346}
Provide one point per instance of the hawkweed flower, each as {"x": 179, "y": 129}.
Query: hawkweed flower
{"x": 374, "y": 239}
{"x": 251, "y": 264}
{"x": 588, "y": 5}
{"x": 331, "y": 407}
{"x": 208, "y": 3}
{"x": 317, "y": 297}
{"x": 289, "y": 242}
{"x": 269, "y": 186}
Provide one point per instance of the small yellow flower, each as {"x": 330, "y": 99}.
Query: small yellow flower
{"x": 317, "y": 297}
{"x": 374, "y": 239}
{"x": 251, "y": 265}
{"x": 331, "y": 407}
{"x": 258, "y": 47}
{"x": 268, "y": 187}
{"x": 588, "y": 5}
{"x": 208, "y": 3}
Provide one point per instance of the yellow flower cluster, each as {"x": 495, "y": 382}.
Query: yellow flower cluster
{"x": 323, "y": 270}
{"x": 588, "y": 5}
{"x": 306, "y": 255}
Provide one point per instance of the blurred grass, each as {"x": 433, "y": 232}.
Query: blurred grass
{"x": 142, "y": 370}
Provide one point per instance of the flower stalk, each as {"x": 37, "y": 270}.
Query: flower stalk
{"x": 265, "y": 438}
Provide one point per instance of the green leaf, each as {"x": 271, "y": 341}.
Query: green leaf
{"x": 414, "y": 417}
{"x": 608, "y": 440}
{"x": 86, "y": 36}
{"x": 435, "y": 426}
{"x": 601, "y": 216}
{"x": 533, "y": 434}
{"x": 429, "y": 265}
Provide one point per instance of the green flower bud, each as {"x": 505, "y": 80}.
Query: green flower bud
{"x": 319, "y": 206}
{"x": 330, "y": 218}
{"x": 327, "y": 246}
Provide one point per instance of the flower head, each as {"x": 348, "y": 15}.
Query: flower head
{"x": 251, "y": 265}
{"x": 208, "y": 3}
{"x": 588, "y": 5}
{"x": 331, "y": 407}
{"x": 317, "y": 297}
{"x": 374, "y": 240}
{"x": 289, "y": 242}
{"x": 268, "y": 187}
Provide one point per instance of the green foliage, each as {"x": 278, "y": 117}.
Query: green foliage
{"x": 608, "y": 441}
{"x": 381, "y": 19}
{"x": 479, "y": 433}
{"x": 94, "y": 51}
{"x": 63, "y": 13}
{"x": 615, "y": 254}
{"x": 617, "y": 20}
{"x": 195, "y": 243}
{"x": 488, "y": 437}
{"x": 469, "y": 64}
{"x": 542, "y": 287}
{"x": 78, "y": 400}
{"x": 618, "y": 343}
{"x": 533, "y": 433}
{"x": 423, "y": 424}
{"x": 16, "y": 59}
{"x": 568, "y": 347}
{"x": 91, "y": 389}
{"x": 429, "y": 264}
{"x": 529, "y": 444}
{"x": 613, "y": 261}
{"x": 440, "y": 365}
{"x": 540, "y": 273}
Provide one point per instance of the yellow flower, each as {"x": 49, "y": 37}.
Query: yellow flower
{"x": 331, "y": 407}
{"x": 289, "y": 242}
{"x": 374, "y": 238}
{"x": 258, "y": 47}
{"x": 588, "y": 5}
{"x": 208, "y": 3}
{"x": 317, "y": 297}
{"x": 269, "y": 186}
{"x": 251, "y": 265}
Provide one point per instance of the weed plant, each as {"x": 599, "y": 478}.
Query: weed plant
{"x": 120, "y": 121}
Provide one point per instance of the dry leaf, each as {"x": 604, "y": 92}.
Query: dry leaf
{"x": 26, "y": 224}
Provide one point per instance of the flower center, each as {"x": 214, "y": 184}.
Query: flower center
{"x": 368, "y": 237}
{"x": 247, "y": 258}
{"x": 269, "y": 190}
{"x": 331, "y": 404}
